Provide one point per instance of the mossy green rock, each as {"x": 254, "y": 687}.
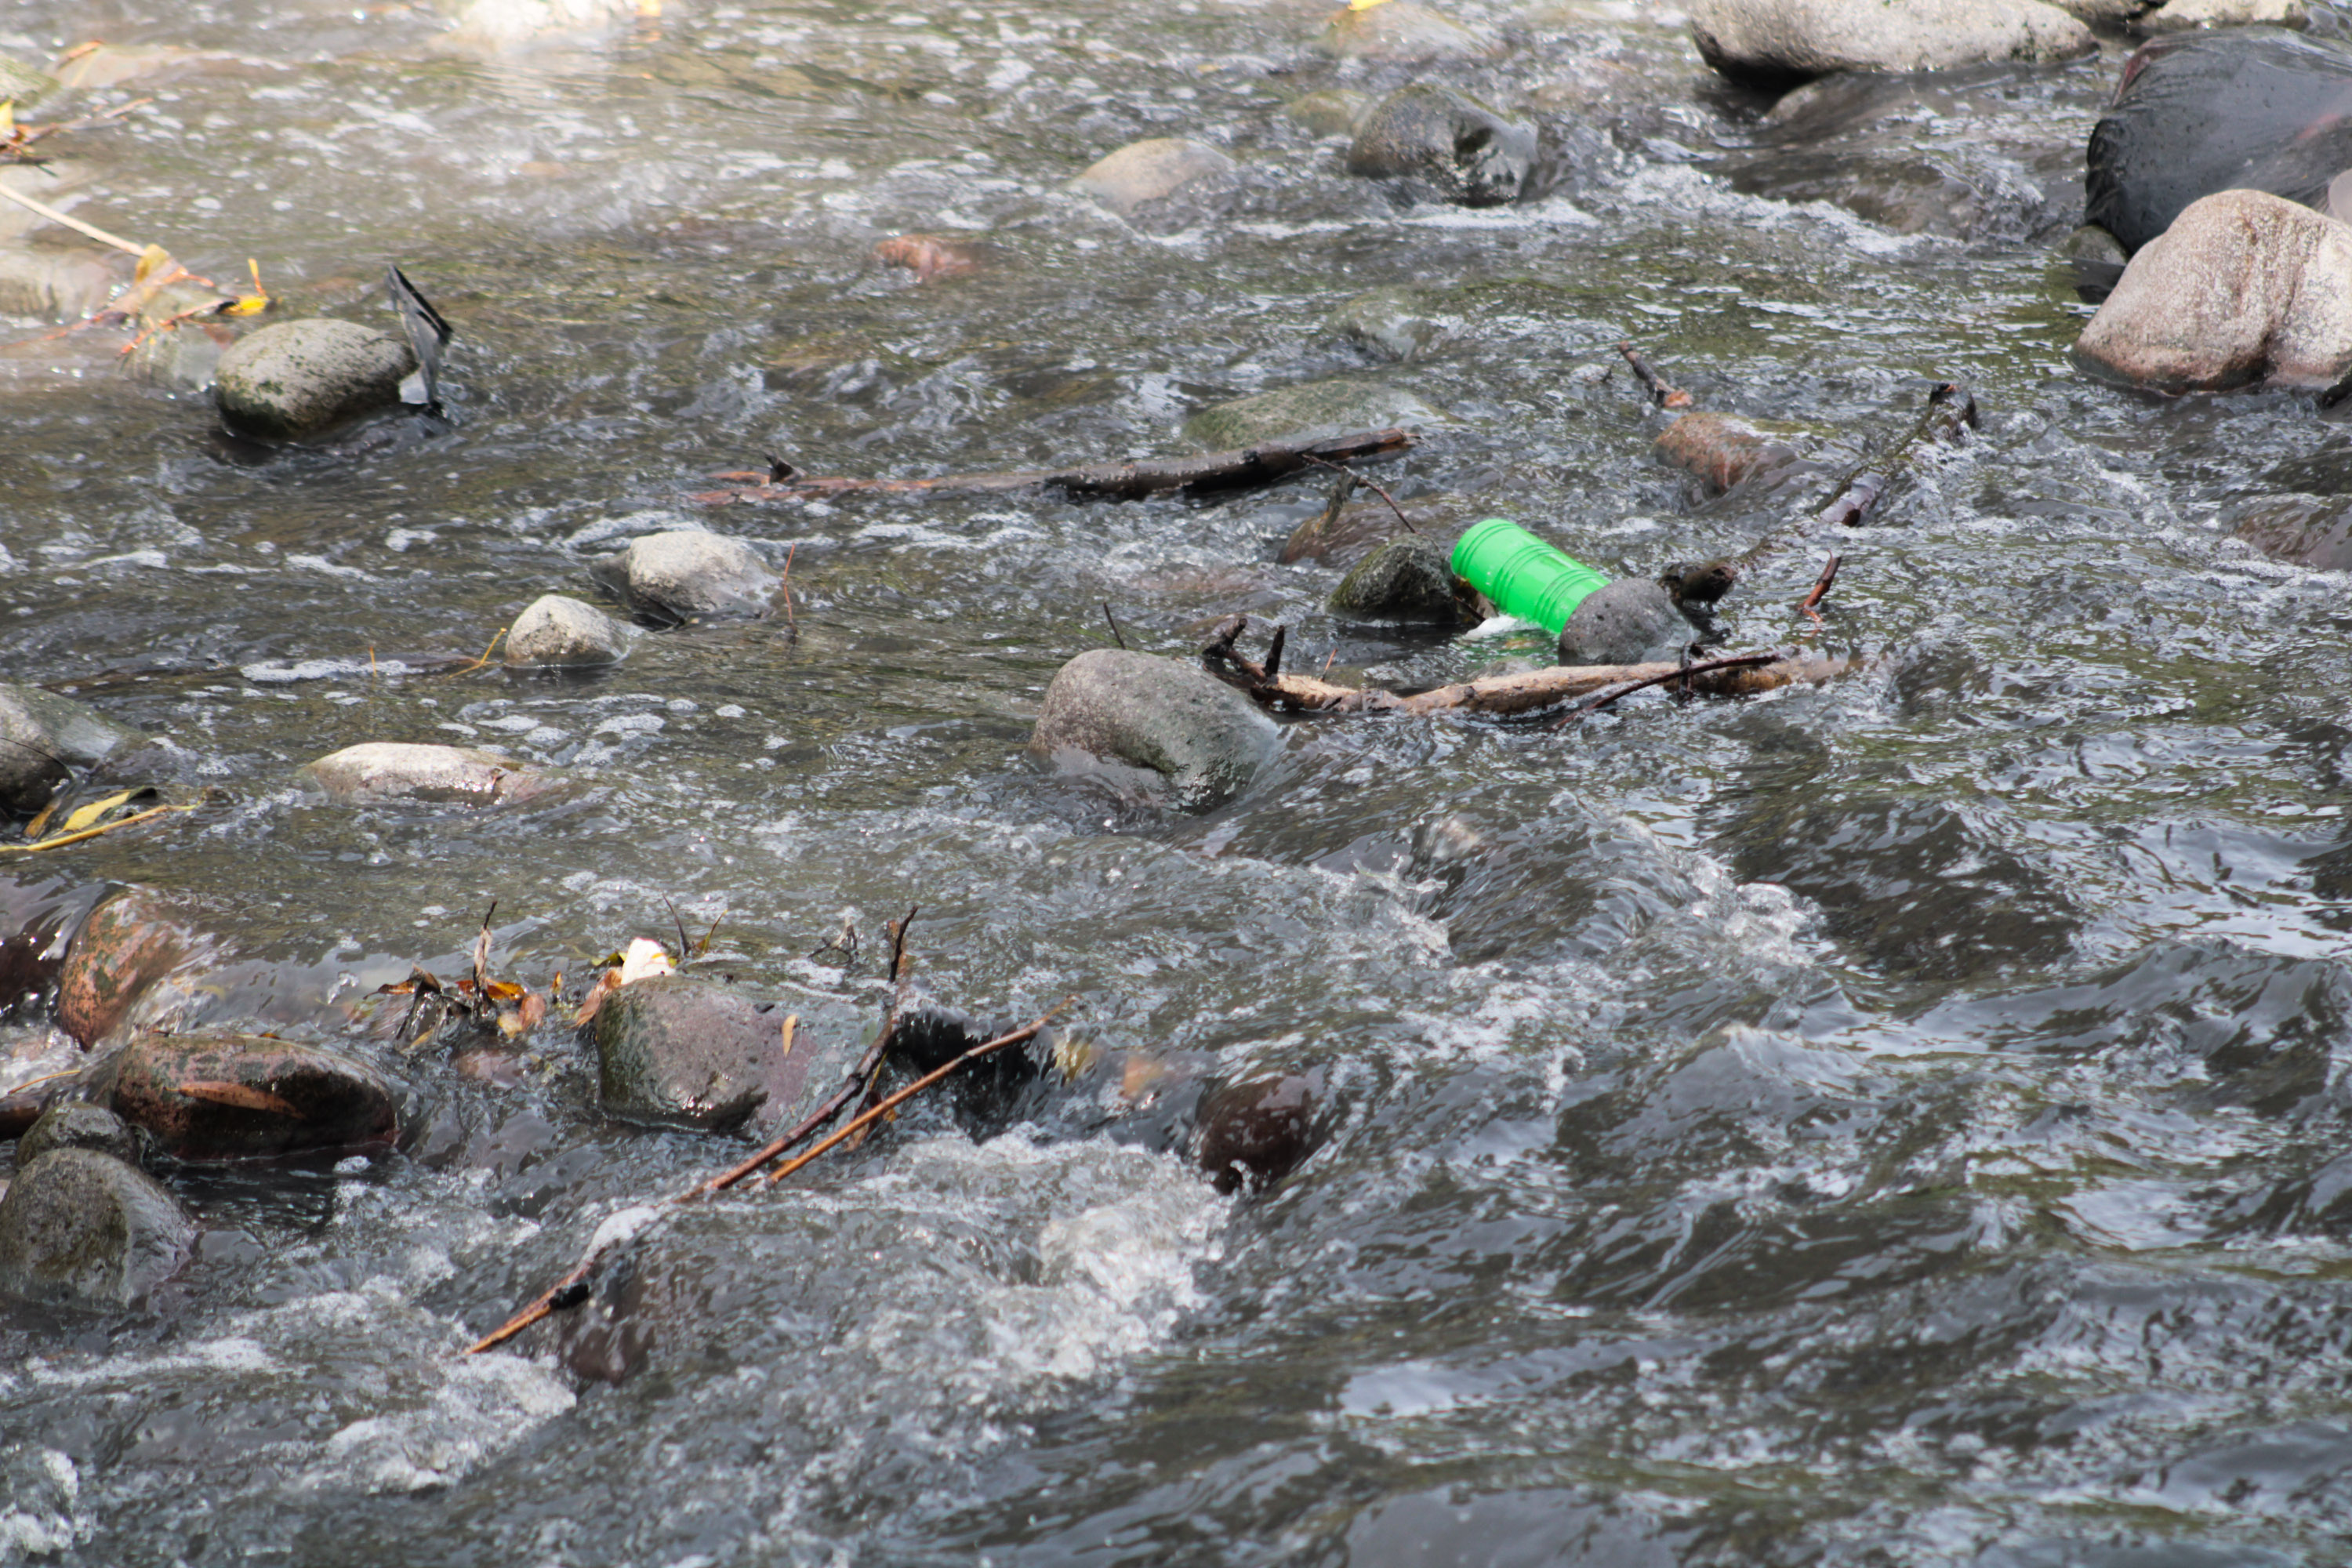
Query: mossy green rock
{"x": 1330, "y": 112}
{"x": 1403, "y": 580}
{"x": 1315, "y": 409}
{"x": 83, "y": 1228}
{"x": 298, "y": 379}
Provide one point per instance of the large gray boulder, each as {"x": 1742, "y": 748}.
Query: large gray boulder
{"x": 1150, "y": 171}
{"x": 1626, "y": 621}
{"x": 81, "y": 1228}
{"x": 557, "y": 632}
{"x": 1111, "y": 709}
{"x": 672, "y": 1051}
{"x": 689, "y": 575}
{"x": 2244, "y": 289}
{"x": 1305, "y": 412}
{"x": 300, "y": 379}
{"x": 1463, "y": 150}
{"x": 1405, "y": 579}
{"x": 1780, "y": 41}
{"x": 378, "y": 771}
{"x": 43, "y": 738}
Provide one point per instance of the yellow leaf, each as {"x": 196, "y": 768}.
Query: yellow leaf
{"x": 7, "y": 116}
{"x": 87, "y": 815}
{"x": 151, "y": 260}
{"x": 260, "y": 299}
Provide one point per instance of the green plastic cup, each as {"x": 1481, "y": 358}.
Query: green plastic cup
{"x": 1522, "y": 574}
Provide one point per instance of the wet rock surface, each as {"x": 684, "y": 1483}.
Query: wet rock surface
{"x": 1399, "y": 30}
{"x": 1624, "y": 621}
{"x": 2244, "y": 289}
{"x": 43, "y": 738}
{"x": 80, "y": 1227}
{"x": 688, "y": 574}
{"x": 1783, "y": 41}
{"x": 74, "y": 1125}
{"x": 1153, "y": 171}
{"x": 128, "y": 946}
{"x": 555, "y": 632}
{"x": 1157, "y": 716}
{"x": 1461, "y": 149}
{"x": 1249, "y": 1136}
{"x": 2201, "y": 112}
{"x": 1305, "y": 412}
{"x": 297, "y": 380}
{"x": 212, "y": 1098}
{"x": 2309, "y": 531}
{"x": 378, "y": 772}
{"x": 676, "y": 1051}
{"x": 1722, "y": 451}
{"x": 1407, "y": 580}
{"x": 51, "y": 282}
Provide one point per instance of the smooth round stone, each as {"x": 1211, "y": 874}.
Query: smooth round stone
{"x": 1400, "y": 30}
{"x": 557, "y": 632}
{"x": 2244, "y": 289}
{"x": 43, "y": 737}
{"x": 673, "y": 1051}
{"x": 1111, "y": 709}
{"x": 1250, "y": 1135}
{"x": 305, "y": 378}
{"x": 1148, "y": 171}
{"x": 689, "y": 575}
{"x": 1775, "y": 42}
{"x": 1626, "y": 621}
{"x": 83, "y": 1228}
{"x": 1306, "y": 412}
{"x": 1723, "y": 450}
{"x": 1466, "y": 150}
{"x": 379, "y": 771}
{"x": 74, "y": 1125}
{"x": 210, "y": 1098}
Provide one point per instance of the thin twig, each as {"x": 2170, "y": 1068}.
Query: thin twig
{"x": 884, "y": 1108}
{"x": 1739, "y": 661}
{"x": 1371, "y": 484}
{"x": 62, "y": 839}
{"x": 786, "y": 586}
{"x": 1662, "y": 393}
{"x": 43, "y": 209}
{"x": 1114, "y": 628}
{"x": 1820, "y": 590}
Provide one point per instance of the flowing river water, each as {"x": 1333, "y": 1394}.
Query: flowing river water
{"x": 1894, "y": 1122}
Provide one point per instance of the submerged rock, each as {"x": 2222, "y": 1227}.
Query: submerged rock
{"x": 1333, "y": 112}
{"x": 1723, "y": 450}
{"x": 1463, "y": 150}
{"x": 378, "y": 771}
{"x": 52, "y": 282}
{"x": 1407, "y": 579}
{"x": 209, "y": 1098}
{"x": 1305, "y": 412}
{"x": 2244, "y": 289}
{"x": 1248, "y": 1136}
{"x": 81, "y": 1228}
{"x": 74, "y": 1125}
{"x": 1157, "y": 716}
{"x": 129, "y": 943}
{"x": 2255, "y": 109}
{"x": 1358, "y": 527}
{"x": 690, "y": 574}
{"x": 1779, "y": 41}
{"x": 1150, "y": 171}
{"x": 1399, "y": 30}
{"x": 298, "y": 379}
{"x": 672, "y": 1051}
{"x": 556, "y": 632}
{"x": 1396, "y": 320}
{"x": 2309, "y": 531}
{"x": 43, "y": 738}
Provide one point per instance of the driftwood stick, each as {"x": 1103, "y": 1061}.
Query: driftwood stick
{"x": 883, "y": 1107}
{"x": 1338, "y": 497}
{"x": 1737, "y": 661}
{"x": 1811, "y": 606}
{"x": 1258, "y": 464}
{"x": 1662, "y": 393}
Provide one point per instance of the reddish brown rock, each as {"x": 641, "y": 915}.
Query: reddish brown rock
{"x": 927, "y": 255}
{"x": 130, "y": 943}
{"x": 1250, "y": 1135}
{"x": 220, "y": 1096}
{"x": 1723, "y": 450}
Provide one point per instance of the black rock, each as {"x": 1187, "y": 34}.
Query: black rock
{"x": 2237, "y": 109}
{"x": 1403, "y": 580}
{"x": 1462, "y": 149}
{"x": 1250, "y": 1135}
{"x": 74, "y": 1125}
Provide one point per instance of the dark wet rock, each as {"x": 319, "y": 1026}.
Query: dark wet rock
{"x": 1162, "y": 716}
{"x": 1407, "y": 579}
{"x": 2309, "y": 531}
{"x": 1314, "y": 408}
{"x": 1401, "y": 31}
{"x": 129, "y": 945}
{"x": 1347, "y": 536}
{"x": 1774, "y": 42}
{"x": 1151, "y": 171}
{"x": 53, "y": 283}
{"x": 83, "y": 1228}
{"x": 675, "y": 1051}
{"x": 209, "y": 1098}
{"x": 1463, "y": 150}
{"x": 379, "y": 771}
{"x": 44, "y": 737}
{"x": 1250, "y": 1135}
{"x": 2253, "y": 109}
{"x": 2244, "y": 289}
{"x": 76, "y": 1125}
{"x": 556, "y": 632}
{"x": 298, "y": 379}
{"x": 1330, "y": 112}
{"x": 689, "y": 575}
{"x": 1400, "y": 322}
{"x": 37, "y": 920}
{"x": 1724, "y": 450}
{"x": 1627, "y": 622}
{"x": 987, "y": 1096}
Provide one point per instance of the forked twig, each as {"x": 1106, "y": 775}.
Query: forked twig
{"x": 1592, "y": 704}
{"x": 1371, "y": 484}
